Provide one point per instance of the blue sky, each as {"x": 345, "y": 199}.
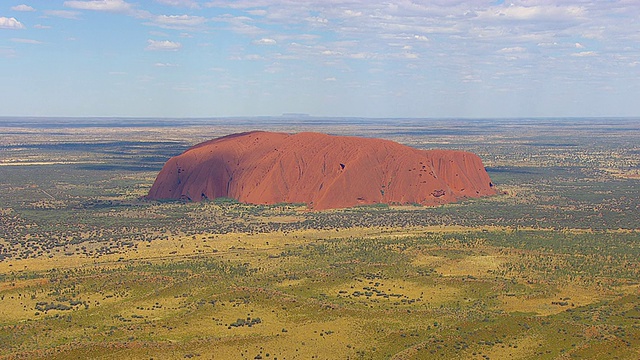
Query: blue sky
{"x": 368, "y": 58}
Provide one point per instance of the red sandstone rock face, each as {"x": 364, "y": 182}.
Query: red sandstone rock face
{"x": 320, "y": 170}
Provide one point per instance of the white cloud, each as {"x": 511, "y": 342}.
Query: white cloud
{"x": 40, "y": 26}
{"x": 253, "y": 57}
{"x": 265, "y": 41}
{"x": 361, "y": 55}
{"x": 180, "y": 3}
{"x": 65, "y": 14}
{"x": 317, "y": 20}
{"x": 281, "y": 56}
{"x": 25, "y": 41}
{"x": 470, "y": 79}
{"x": 511, "y": 50}
{"x": 163, "y": 45}
{"x": 585, "y": 54}
{"x": 304, "y": 37}
{"x": 159, "y": 64}
{"x": 158, "y": 33}
{"x": 351, "y": 13}
{"x": 10, "y": 23}
{"x": 579, "y": 46}
{"x": 273, "y": 68}
{"x": 420, "y": 37}
{"x": 535, "y": 13}
{"x": 100, "y": 5}
{"x": 240, "y": 24}
{"x": 258, "y": 12}
{"x": 330, "y": 79}
{"x": 22, "y": 7}
{"x": 7, "y": 52}
{"x": 178, "y": 21}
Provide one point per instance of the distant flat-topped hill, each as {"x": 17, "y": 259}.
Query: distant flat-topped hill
{"x": 323, "y": 171}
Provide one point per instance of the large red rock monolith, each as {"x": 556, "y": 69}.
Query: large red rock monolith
{"x": 323, "y": 171}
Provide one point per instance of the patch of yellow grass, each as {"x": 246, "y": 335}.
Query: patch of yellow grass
{"x": 339, "y": 338}
{"x": 291, "y": 283}
{"x": 300, "y": 341}
{"x": 16, "y": 308}
{"x": 474, "y": 265}
{"x": 428, "y": 260}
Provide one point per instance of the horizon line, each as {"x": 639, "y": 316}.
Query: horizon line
{"x": 302, "y": 116}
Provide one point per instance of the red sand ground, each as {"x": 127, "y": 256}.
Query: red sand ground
{"x": 320, "y": 170}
